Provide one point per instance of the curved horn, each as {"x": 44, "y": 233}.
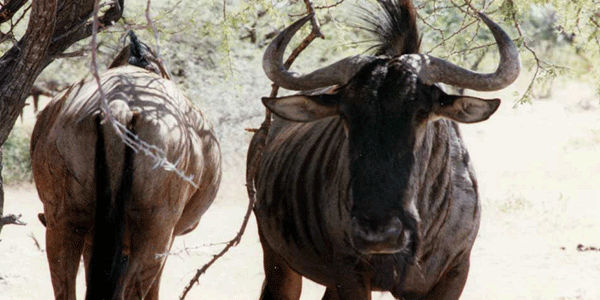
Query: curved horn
{"x": 430, "y": 69}
{"x": 337, "y": 73}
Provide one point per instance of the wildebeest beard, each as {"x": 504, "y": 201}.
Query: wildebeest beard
{"x": 382, "y": 187}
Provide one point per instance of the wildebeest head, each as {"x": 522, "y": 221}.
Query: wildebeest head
{"x": 386, "y": 102}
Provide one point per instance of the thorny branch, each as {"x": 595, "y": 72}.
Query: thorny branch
{"x": 130, "y": 139}
{"x": 234, "y": 242}
{"x": 187, "y": 250}
{"x": 258, "y": 144}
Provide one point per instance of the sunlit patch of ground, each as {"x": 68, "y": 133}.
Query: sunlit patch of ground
{"x": 538, "y": 169}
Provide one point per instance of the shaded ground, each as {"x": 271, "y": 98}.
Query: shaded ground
{"x": 538, "y": 170}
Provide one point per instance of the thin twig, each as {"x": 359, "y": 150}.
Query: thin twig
{"x": 187, "y": 250}
{"x": 330, "y": 6}
{"x": 444, "y": 40}
{"x": 35, "y": 241}
{"x": 151, "y": 25}
{"x": 224, "y": 10}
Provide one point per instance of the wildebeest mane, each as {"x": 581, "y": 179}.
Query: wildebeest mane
{"x": 137, "y": 51}
{"x": 394, "y": 27}
{"x": 140, "y": 55}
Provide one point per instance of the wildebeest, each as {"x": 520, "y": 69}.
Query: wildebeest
{"x": 104, "y": 201}
{"x": 366, "y": 185}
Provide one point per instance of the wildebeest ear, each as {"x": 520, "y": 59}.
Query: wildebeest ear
{"x": 465, "y": 109}
{"x": 302, "y": 108}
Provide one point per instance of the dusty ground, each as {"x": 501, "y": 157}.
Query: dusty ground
{"x": 540, "y": 191}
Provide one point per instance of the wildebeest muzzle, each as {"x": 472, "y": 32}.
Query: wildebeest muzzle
{"x": 372, "y": 234}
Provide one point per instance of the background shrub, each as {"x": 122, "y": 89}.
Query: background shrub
{"x": 15, "y": 160}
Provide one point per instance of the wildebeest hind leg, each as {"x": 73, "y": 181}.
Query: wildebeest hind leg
{"x": 281, "y": 282}
{"x": 154, "y": 289}
{"x": 148, "y": 253}
{"x": 63, "y": 248}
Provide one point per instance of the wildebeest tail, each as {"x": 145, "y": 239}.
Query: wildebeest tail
{"x": 107, "y": 263}
{"x": 395, "y": 27}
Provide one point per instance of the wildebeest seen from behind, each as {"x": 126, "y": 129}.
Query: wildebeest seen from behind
{"x": 103, "y": 200}
{"x": 368, "y": 185}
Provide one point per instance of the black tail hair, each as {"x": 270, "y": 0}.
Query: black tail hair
{"x": 137, "y": 51}
{"x": 107, "y": 262}
{"x": 395, "y": 29}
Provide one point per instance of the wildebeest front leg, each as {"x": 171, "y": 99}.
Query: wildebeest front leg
{"x": 349, "y": 290}
{"x": 281, "y": 282}
{"x": 451, "y": 285}
{"x": 330, "y": 294}
{"x": 352, "y": 283}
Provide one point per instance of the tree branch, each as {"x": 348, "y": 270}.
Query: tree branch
{"x": 11, "y": 219}
{"x": 84, "y": 30}
{"x": 8, "y": 10}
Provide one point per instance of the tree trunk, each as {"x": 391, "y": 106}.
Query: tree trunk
{"x": 52, "y": 28}
{"x": 20, "y": 68}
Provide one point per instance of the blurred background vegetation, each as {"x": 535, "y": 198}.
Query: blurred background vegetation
{"x": 214, "y": 49}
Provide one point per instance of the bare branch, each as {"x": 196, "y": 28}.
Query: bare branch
{"x": 582, "y": 248}
{"x": 11, "y": 220}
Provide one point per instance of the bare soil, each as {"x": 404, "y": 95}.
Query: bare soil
{"x": 538, "y": 171}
